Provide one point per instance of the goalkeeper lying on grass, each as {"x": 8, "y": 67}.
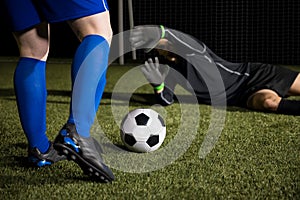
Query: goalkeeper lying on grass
{"x": 257, "y": 86}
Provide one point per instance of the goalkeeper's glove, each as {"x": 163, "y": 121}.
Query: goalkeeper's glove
{"x": 146, "y": 37}
{"x": 155, "y": 73}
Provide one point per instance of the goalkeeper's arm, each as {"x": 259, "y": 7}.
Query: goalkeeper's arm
{"x": 148, "y": 36}
{"x": 183, "y": 42}
{"x": 164, "y": 97}
{"x": 156, "y": 74}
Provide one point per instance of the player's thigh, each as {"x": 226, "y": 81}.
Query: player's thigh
{"x": 295, "y": 88}
{"x": 34, "y": 42}
{"x": 264, "y": 100}
{"x": 97, "y": 24}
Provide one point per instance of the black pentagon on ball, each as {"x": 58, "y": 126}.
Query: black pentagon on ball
{"x": 141, "y": 119}
{"x": 129, "y": 139}
{"x": 153, "y": 140}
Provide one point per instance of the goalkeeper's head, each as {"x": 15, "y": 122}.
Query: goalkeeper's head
{"x": 165, "y": 48}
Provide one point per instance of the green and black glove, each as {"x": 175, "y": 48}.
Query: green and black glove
{"x": 155, "y": 73}
{"x": 146, "y": 37}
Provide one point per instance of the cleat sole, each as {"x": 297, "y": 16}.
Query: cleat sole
{"x": 86, "y": 167}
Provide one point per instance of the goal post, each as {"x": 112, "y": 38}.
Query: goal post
{"x": 121, "y": 28}
{"x": 131, "y": 22}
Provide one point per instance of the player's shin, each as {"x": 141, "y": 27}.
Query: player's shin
{"x": 88, "y": 77}
{"x": 31, "y": 94}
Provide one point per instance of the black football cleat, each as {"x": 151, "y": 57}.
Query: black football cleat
{"x": 38, "y": 159}
{"x": 84, "y": 151}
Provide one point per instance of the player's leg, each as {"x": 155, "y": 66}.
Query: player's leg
{"x": 88, "y": 81}
{"x": 264, "y": 100}
{"x": 32, "y": 38}
{"x": 268, "y": 100}
{"x": 89, "y": 69}
{"x": 30, "y": 84}
{"x": 31, "y": 93}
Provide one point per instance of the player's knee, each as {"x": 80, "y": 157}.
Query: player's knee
{"x": 264, "y": 101}
{"x": 37, "y": 53}
{"x": 108, "y": 34}
{"x": 98, "y": 24}
{"x": 33, "y": 43}
{"x": 270, "y": 103}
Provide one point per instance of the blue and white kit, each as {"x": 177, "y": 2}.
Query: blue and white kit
{"x": 33, "y": 12}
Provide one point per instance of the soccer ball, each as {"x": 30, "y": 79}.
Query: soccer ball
{"x": 143, "y": 130}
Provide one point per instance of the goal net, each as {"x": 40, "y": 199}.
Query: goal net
{"x": 237, "y": 30}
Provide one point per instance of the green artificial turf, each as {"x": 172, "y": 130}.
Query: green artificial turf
{"x": 256, "y": 156}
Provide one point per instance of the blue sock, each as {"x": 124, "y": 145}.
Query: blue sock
{"x": 88, "y": 82}
{"x": 31, "y": 95}
{"x": 100, "y": 90}
{"x": 98, "y": 97}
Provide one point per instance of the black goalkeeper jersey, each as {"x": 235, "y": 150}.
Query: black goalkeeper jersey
{"x": 210, "y": 77}
{"x": 195, "y": 58}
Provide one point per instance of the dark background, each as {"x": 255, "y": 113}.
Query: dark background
{"x": 237, "y": 30}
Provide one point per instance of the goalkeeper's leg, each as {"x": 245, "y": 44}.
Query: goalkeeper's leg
{"x": 269, "y": 101}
